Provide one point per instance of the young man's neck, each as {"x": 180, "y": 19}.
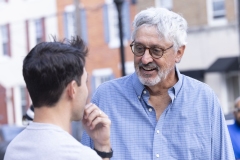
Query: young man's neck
{"x": 52, "y": 115}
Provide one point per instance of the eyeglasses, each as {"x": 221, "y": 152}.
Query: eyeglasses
{"x": 139, "y": 50}
{"x": 237, "y": 110}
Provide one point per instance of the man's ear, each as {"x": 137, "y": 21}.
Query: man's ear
{"x": 71, "y": 89}
{"x": 180, "y": 53}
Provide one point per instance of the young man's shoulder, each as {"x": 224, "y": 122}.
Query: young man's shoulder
{"x": 53, "y": 143}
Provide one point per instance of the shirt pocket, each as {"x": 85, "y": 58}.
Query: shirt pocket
{"x": 186, "y": 145}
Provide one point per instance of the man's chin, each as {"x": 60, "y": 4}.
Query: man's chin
{"x": 149, "y": 81}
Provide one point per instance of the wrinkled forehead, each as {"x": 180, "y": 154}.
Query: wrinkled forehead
{"x": 151, "y": 30}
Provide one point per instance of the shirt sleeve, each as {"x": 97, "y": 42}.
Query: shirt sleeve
{"x": 221, "y": 148}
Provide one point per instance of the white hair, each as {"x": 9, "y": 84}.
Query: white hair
{"x": 170, "y": 25}
{"x": 236, "y": 101}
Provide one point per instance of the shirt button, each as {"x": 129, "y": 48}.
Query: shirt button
{"x": 139, "y": 97}
{"x": 158, "y": 131}
{"x": 144, "y": 92}
{"x": 157, "y": 155}
{"x": 150, "y": 109}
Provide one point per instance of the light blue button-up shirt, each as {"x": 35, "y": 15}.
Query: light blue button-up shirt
{"x": 192, "y": 127}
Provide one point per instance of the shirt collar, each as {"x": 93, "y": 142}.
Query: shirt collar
{"x": 137, "y": 85}
{"x": 178, "y": 85}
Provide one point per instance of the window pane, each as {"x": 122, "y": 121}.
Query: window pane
{"x": 39, "y": 30}
{"x": 70, "y": 24}
{"x": 4, "y": 33}
{"x": 218, "y": 6}
{"x": 218, "y": 9}
{"x": 5, "y": 49}
{"x": 23, "y": 100}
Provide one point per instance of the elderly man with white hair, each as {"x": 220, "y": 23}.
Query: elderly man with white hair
{"x": 156, "y": 112}
{"x": 234, "y": 129}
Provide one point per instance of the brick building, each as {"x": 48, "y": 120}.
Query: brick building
{"x": 37, "y": 21}
{"x": 210, "y": 55}
{"x": 99, "y": 29}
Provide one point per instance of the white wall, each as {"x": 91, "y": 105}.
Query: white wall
{"x": 207, "y": 44}
{"x": 217, "y": 81}
{"x": 15, "y": 13}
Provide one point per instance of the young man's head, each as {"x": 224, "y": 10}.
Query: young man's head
{"x": 51, "y": 67}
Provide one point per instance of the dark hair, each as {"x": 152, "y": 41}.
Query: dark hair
{"x": 50, "y": 66}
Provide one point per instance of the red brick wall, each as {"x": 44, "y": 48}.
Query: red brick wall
{"x": 100, "y": 55}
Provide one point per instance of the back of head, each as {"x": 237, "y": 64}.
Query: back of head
{"x": 50, "y": 66}
{"x": 169, "y": 25}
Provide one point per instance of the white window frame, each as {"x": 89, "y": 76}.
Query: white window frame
{"x": 39, "y": 30}
{"x": 215, "y": 21}
{"x": 69, "y": 11}
{"x": 129, "y": 67}
{"x": 4, "y": 39}
{"x": 102, "y": 75}
{"x": 114, "y": 41}
{"x": 164, "y": 3}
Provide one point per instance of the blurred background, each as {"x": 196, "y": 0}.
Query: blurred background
{"x": 211, "y": 56}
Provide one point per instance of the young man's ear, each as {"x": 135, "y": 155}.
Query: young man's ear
{"x": 71, "y": 89}
{"x": 180, "y": 53}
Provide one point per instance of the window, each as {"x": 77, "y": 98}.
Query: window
{"x": 129, "y": 67}
{"x": 40, "y": 35}
{"x": 164, "y": 3}
{"x": 5, "y": 40}
{"x": 100, "y": 76}
{"x": 23, "y": 100}
{"x": 216, "y": 12}
{"x": 111, "y": 31}
{"x": 69, "y": 23}
{"x": 218, "y": 7}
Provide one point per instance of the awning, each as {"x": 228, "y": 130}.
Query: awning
{"x": 197, "y": 74}
{"x": 224, "y": 65}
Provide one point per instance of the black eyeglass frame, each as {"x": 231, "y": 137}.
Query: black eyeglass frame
{"x": 149, "y": 48}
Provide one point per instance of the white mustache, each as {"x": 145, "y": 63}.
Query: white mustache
{"x": 149, "y": 65}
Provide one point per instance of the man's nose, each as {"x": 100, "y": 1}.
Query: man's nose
{"x": 146, "y": 58}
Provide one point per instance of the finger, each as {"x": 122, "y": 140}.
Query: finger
{"x": 89, "y": 108}
{"x": 93, "y": 115}
{"x": 100, "y": 121}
